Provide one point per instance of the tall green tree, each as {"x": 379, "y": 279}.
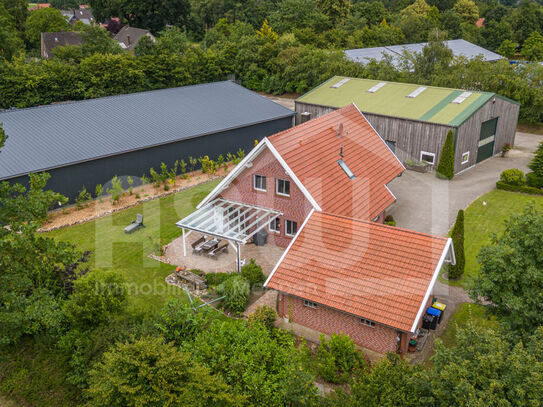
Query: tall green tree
{"x": 11, "y": 43}
{"x": 336, "y": 10}
{"x": 44, "y": 20}
{"x": 149, "y": 372}
{"x": 456, "y": 270}
{"x": 532, "y": 49}
{"x": 467, "y": 10}
{"x": 536, "y": 165}
{"x": 510, "y": 278}
{"x": 507, "y": 49}
{"x": 155, "y": 15}
{"x": 18, "y": 10}
{"x": 445, "y": 168}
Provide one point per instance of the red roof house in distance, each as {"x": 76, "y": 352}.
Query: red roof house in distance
{"x": 320, "y": 190}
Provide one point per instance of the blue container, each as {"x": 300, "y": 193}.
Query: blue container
{"x": 435, "y": 312}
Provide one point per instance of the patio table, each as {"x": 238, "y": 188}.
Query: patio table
{"x": 210, "y": 244}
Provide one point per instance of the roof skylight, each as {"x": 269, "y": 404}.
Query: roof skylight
{"x": 341, "y": 82}
{"x": 375, "y": 88}
{"x": 345, "y": 168}
{"x": 416, "y": 92}
{"x": 463, "y": 96}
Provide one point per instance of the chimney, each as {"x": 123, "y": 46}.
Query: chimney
{"x": 305, "y": 117}
{"x": 128, "y": 39}
{"x": 339, "y": 129}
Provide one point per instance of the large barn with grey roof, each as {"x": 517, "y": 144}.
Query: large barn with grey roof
{"x": 86, "y": 143}
{"x": 414, "y": 120}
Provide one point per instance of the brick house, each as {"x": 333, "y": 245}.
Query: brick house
{"x": 320, "y": 190}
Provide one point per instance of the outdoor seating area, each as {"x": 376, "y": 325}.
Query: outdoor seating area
{"x": 226, "y": 261}
{"x": 211, "y": 248}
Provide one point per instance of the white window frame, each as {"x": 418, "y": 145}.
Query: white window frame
{"x": 367, "y": 322}
{"x": 430, "y": 154}
{"x": 286, "y": 228}
{"x": 310, "y": 304}
{"x": 278, "y": 223}
{"x": 467, "y": 159}
{"x": 254, "y": 182}
{"x": 277, "y": 187}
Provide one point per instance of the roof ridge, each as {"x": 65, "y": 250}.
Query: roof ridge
{"x": 120, "y": 95}
{"x": 383, "y": 226}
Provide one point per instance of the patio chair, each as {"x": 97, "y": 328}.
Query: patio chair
{"x": 135, "y": 225}
{"x": 196, "y": 245}
{"x": 218, "y": 250}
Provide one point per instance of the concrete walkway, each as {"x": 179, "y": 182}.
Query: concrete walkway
{"x": 428, "y": 204}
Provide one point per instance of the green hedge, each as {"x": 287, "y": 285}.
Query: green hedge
{"x": 522, "y": 188}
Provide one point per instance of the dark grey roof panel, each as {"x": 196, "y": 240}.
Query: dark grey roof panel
{"x": 45, "y": 137}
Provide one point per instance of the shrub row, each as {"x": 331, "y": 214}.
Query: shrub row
{"x": 519, "y": 188}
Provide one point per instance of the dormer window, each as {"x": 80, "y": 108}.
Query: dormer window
{"x": 283, "y": 187}
{"x": 259, "y": 182}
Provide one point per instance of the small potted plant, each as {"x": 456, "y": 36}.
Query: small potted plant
{"x": 505, "y": 148}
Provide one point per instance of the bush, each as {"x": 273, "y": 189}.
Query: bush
{"x": 236, "y": 291}
{"x": 252, "y": 272}
{"x": 214, "y": 279}
{"x": 445, "y": 168}
{"x": 338, "y": 359}
{"x": 515, "y": 188}
{"x": 82, "y": 198}
{"x": 263, "y": 315}
{"x": 532, "y": 180}
{"x": 536, "y": 165}
{"x": 512, "y": 176}
{"x": 458, "y": 242}
{"x": 389, "y": 220}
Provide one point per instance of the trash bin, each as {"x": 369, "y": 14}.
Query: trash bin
{"x": 261, "y": 237}
{"x": 435, "y": 312}
{"x": 440, "y": 306}
{"x": 429, "y": 321}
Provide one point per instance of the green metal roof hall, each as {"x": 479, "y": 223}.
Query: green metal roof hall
{"x": 414, "y": 119}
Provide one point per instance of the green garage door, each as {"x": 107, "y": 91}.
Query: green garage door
{"x": 486, "y": 139}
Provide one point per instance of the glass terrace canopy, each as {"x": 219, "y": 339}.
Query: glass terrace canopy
{"x": 230, "y": 220}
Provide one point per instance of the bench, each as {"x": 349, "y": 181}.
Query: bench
{"x": 135, "y": 225}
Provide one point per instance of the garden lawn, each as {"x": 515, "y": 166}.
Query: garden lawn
{"x": 483, "y": 220}
{"x": 128, "y": 253}
{"x": 466, "y": 312}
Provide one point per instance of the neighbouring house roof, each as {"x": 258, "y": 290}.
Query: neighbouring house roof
{"x": 480, "y": 22}
{"x": 432, "y": 104}
{"x": 310, "y": 153}
{"x": 45, "y": 137}
{"x": 381, "y": 273}
{"x": 460, "y": 48}
{"x": 128, "y": 37}
{"x": 82, "y": 14}
{"x": 58, "y": 39}
{"x": 312, "y": 150}
{"x": 39, "y": 6}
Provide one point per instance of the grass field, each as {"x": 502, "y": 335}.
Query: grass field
{"x": 464, "y": 313}
{"x": 113, "y": 249}
{"x": 481, "y": 220}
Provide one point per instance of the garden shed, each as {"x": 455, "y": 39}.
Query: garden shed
{"x": 86, "y": 143}
{"x": 414, "y": 119}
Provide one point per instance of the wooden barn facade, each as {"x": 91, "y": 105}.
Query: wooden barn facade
{"x": 414, "y": 120}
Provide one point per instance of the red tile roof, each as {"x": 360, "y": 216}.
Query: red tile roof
{"x": 312, "y": 150}
{"x": 377, "y": 272}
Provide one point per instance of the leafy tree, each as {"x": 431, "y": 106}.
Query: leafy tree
{"x": 372, "y": 12}
{"x": 252, "y": 272}
{"x": 65, "y": 4}
{"x": 536, "y": 165}
{"x": 44, "y": 20}
{"x": 171, "y": 41}
{"x": 292, "y": 14}
{"x": 507, "y": 49}
{"x": 153, "y": 373}
{"x": 532, "y": 49}
{"x": 266, "y": 32}
{"x": 485, "y": 369}
{"x": 455, "y": 271}
{"x": 264, "y": 365}
{"x": 104, "y": 9}
{"x": 145, "y": 46}
{"x": 435, "y": 57}
{"x": 525, "y": 19}
{"x": 155, "y": 15}
{"x": 96, "y": 297}
{"x": 10, "y": 41}
{"x": 510, "y": 278}
{"x": 97, "y": 40}
{"x": 263, "y": 315}
{"x": 417, "y": 8}
{"x": 495, "y": 33}
{"x": 445, "y": 168}
{"x": 338, "y": 358}
{"x": 336, "y": 10}
{"x": 467, "y": 10}
{"x": 18, "y": 9}
{"x": 452, "y": 24}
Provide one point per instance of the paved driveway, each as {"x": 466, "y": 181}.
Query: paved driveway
{"x": 428, "y": 204}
